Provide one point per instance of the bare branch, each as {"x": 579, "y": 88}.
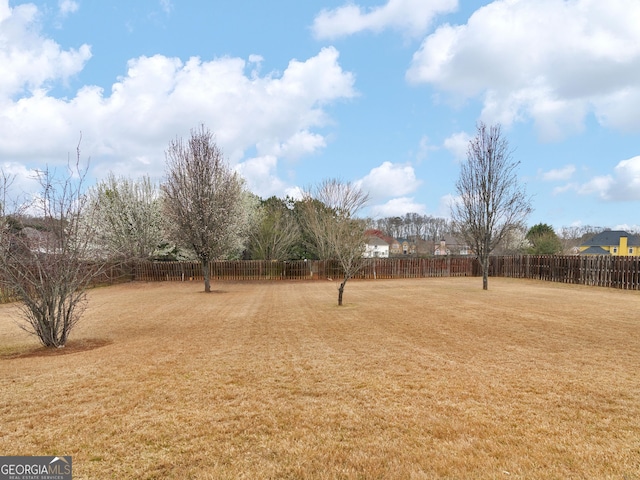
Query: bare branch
{"x": 48, "y": 269}
{"x": 202, "y": 199}
{"x": 330, "y": 219}
{"x": 491, "y": 201}
{"x": 275, "y": 231}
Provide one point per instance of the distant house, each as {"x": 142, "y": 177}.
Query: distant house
{"x": 611, "y": 242}
{"x": 450, "y": 245}
{"x": 442, "y": 249}
{"x": 403, "y": 246}
{"x": 376, "y": 247}
{"x": 394, "y": 247}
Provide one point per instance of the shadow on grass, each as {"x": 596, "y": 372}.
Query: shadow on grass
{"x": 72, "y": 346}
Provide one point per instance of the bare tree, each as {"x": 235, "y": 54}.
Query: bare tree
{"x": 203, "y": 199}
{"x": 414, "y": 225}
{"x": 128, "y": 216}
{"x": 491, "y": 202}
{"x": 572, "y": 237}
{"x": 6, "y": 180}
{"x": 330, "y": 218}
{"x": 5, "y": 184}
{"x": 312, "y": 217}
{"x": 49, "y": 270}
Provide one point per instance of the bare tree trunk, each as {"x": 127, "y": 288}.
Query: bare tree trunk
{"x": 206, "y": 275}
{"x": 485, "y": 273}
{"x": 341, "y": 290}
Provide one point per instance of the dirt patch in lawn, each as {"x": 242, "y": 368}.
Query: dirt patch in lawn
{"x": 425, "y": 378}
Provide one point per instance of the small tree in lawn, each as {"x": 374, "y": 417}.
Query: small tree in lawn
{"x": 203, "y": 199}
{"x": 330, "y": 219}
{"x": 491, "y": 202}
{"x": 50, "y": 272}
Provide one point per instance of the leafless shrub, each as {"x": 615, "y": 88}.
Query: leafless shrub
{"x": 48, "y": 269}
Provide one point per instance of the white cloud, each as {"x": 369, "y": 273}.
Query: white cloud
{"x": 565, "y": 188}
{"x": 297, "y": 193}
{"x": 167, "y": 6}
{"x": 299, "y": 144}
{"x": 389, "y": 180}
{"x": 67, "y": 6}
{"x": 424, "y": 147}
{"x": 600, "y": 185}
{"x": 22, "y": 180}
{"x": 260, "y": 174}
{"x": 158, "y": 98}
{"x": 617, "y": 109}
{"x": 397, "y": 207}
{"x": 410, "y": 16}
{"x": 551, "y": 61}
{"x": 30, "y": 61}
{"x": 457, "y": 144}
{"x": 622, "y": 185}
{"x": 559, "y": 174}
{"x": 445, "y": 204}
{"x": 627, "y": 228}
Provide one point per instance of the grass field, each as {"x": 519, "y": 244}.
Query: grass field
{"x": 411, "y": 379}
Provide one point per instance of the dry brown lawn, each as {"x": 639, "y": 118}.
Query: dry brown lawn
{"x": 411, "y": 379}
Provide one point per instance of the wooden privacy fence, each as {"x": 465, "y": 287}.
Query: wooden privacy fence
{"x": 388, "y": 268}
{"x": 600, "y": 270}
{"x": 597, "y": 270}
{"x": 224, "y": 270}
{"x": 377, "y": 268}
{"x": 100, "y": 274}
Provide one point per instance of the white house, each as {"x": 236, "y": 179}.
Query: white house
{"x": 376, "y": 248}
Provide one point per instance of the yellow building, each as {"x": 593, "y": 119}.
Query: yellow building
{"x": 612, "y": 242}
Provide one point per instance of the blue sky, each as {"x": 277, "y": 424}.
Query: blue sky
{"x": 385, "y": 93}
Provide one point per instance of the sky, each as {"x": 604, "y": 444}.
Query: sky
{"x": 382, "y": 93}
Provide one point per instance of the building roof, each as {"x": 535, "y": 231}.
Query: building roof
{"x": 595, "y": 251}
{"x": 453, "y": 240}
{"x": 612, "y": 238}
{"x": 375, "y": 240}
{"x": 378, "y": 233}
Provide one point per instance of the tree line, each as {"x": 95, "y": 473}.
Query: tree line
{"x": 52, "y": 247}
